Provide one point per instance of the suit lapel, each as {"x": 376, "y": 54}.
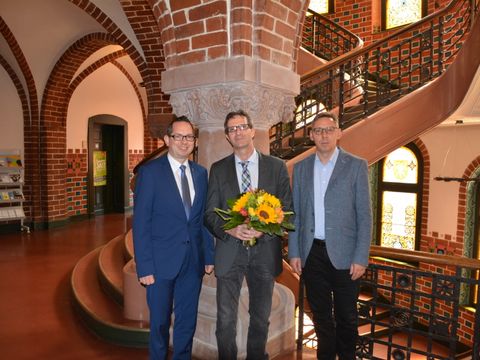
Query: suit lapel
{"x": 263, "y": 174}
{"x": 309, "y": 176}
{"x": 171, "y": 183}
{"x": 231, "y": 176}
{"x": 196, "y": 183}
{"x": 338, "y": 169}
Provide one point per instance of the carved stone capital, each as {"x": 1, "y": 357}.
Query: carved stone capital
{"x": 207, "y": 106}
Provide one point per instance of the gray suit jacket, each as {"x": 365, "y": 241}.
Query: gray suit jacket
{"x": 348, "y": 214}
{"x": 223, "y": 185}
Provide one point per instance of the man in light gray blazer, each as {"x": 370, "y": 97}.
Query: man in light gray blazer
{"x": 234, "y": 258}
{"x": 330, "y": 246}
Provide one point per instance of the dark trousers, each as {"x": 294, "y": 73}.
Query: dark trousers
{"x": 180, "y": 295}
{"x": 332, "y": 296}
{"x": 260, "y": 288}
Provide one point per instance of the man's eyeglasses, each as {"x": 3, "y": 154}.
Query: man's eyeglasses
{"x": 327, "y": 130}
{"x": 178, "y": 137}
{"x": 241, "y": 127}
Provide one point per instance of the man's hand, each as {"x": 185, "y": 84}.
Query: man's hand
{"x": 296, "y": 264}
{"x": 147, "y": 280}
{"x": 208, "y": 269}
{"x": 244, "y": 233}
{"x": 357, "y": 270}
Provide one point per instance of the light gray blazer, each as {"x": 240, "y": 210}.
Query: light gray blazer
{"x": 348, "y": 213}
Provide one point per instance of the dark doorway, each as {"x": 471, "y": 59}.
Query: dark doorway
{"x": 107, "y": 165}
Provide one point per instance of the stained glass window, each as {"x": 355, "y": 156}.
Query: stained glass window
{"x": 398, "y": 220}
{"x": 401, "y": 167}
{"x": 398, "y": 198}
{"x": 321, "y": 6}
{"x": 402, "y": 12}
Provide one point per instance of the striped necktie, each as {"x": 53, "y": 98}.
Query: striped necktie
{"x": 187, "y": 202}
{"x": 246, "y": 180}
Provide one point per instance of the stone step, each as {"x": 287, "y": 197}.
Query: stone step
{"x": 110, "y": 264}
{"x": 100, "y": 312}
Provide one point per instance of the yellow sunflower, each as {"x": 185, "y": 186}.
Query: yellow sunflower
{"x": 240, "y": 203}
{"x": 266, "y": 214}
{"x": 272, "y": 200}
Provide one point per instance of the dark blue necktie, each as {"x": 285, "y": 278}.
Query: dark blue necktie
{"x": 187, "y": 202}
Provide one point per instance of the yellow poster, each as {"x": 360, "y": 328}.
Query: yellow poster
{"x": 99, "y": 168}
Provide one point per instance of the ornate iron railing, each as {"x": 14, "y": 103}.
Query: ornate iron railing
{"x": 361, "y": 82}
{"x": 326, "y": 39}
{"x": 414, "y": 310}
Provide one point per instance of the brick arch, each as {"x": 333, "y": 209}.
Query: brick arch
{"x": 18, "y": 85}
{"x": 143, "y": 21}
{"x": 140, "y": 16}
{"x": 108, "y": 59}
{"x": 30, "y": 126}
{"x": 426, "y": 185}
{"x": 53, "y": 122}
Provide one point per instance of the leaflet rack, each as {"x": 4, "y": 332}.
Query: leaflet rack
{"x": 11, "y": 187}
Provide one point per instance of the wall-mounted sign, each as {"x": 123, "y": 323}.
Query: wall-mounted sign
{"x": 99, "y": 168}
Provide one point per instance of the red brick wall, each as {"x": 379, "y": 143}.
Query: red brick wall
{"x": 76, "y": 182}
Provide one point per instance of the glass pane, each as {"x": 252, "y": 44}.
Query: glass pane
{"x": 401, "y": 12}
{"x": 398, "y": 220}
{"x": 401, "y": 166}
{"x": 307, "y": 112}
{"x": 319, "y": 6}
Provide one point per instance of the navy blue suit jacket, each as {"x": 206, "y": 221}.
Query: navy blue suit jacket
{"x": 161, "y": 230}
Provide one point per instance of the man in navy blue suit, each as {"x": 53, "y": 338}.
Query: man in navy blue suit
{"x": 173, "y": 249}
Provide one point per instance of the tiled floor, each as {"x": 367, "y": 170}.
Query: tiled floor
{"x": 36, "y": 316}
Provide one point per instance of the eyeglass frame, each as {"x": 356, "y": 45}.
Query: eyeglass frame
{"x": 180, "y": 137}
{"x": 233, "y": 129}
{"x": 324, "y": 130}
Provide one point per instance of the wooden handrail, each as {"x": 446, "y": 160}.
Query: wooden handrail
{"x": 423, "y": 256}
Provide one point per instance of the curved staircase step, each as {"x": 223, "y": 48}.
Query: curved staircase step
{"x": 128, "y": 245}
{"x": 110, "y": 263}
{"x": 101, "y": 314}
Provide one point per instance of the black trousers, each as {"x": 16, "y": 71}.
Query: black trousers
{"x": 332, "y": 296}
{"x": 249, "y": 265}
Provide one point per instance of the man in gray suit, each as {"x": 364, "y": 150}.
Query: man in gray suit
{"x": 330, "y": 247}
{"x": 235, "y": 260}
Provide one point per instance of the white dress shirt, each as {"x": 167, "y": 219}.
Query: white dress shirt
{"x": 175, "y": 165}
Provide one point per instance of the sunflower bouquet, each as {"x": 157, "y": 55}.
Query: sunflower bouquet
{"x": 260, "y": 211}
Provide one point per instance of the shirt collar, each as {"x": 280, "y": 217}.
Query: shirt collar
{"x": 333, "y": 158}
{"x": 175, "y": 164}
{"x": 253, "y": 159}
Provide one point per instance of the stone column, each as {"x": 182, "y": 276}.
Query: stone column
{"x": 206, "y": 92}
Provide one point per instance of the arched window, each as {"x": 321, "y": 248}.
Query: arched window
{"x": 321, "y": 6}
{"x": 399, "y": 198}
{"x": 401, "y": 12}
